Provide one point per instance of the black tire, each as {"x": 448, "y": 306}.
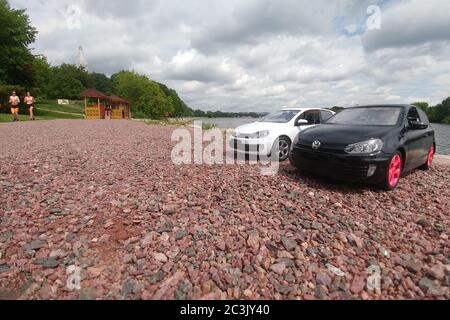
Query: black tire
{"x": 293, "y": 162}
{"x": 388, "y": 183}
{"x": 282, "y": 147}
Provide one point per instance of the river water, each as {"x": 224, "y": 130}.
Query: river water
{"x": 442, "y": 130}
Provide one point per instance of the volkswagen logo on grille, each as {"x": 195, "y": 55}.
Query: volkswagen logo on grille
{"x": 316, "y": 145}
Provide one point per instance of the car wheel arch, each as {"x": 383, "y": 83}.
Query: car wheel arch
{"x": 403, "y": 153}
{"x": 285, "y": 137}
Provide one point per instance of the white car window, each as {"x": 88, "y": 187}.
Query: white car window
{"x": 312, "y": 116}
{"x": 280, "y": 117}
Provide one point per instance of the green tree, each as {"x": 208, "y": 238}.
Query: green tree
{"x": 422, "y": 105}
{"x": 16, "y": 34}
{"x": 180, "y": 109}
{"x": 67, "y": 81}
{"x": 146, "y": 97}
{"x": 199, "y": 113}
{"x": 63, "y": 87}
{"x": 441, "y": 112}
{"x": 74, "y": 72}
{"x": 42, "y": 77}
{"x": 153, "y": 104}
{"x": 127, "y": 85}
{"x": 101, "y": 82}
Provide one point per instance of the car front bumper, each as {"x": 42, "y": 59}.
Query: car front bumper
{"x": 261, "y": 146}
{"x": 371, "y": 169}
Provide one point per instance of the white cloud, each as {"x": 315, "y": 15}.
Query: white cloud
{"x": 410, "y": 23}
{"x": 260, "y": 55}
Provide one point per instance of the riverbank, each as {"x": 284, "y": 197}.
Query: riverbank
{"x": 105, "y": 196}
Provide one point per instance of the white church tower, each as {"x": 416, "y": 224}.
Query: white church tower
{"x": 81, "y": 60}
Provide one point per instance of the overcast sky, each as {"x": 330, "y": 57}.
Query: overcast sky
{"x": 259, "y": 55}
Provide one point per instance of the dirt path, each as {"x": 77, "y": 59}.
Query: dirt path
{"x": 105, "y": 196}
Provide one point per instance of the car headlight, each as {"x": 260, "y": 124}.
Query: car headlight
{"x": 365, "y": 147}
{"x": 258, "y": 135}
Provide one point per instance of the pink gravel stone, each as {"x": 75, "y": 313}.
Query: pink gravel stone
{"x": 358, "y": 284}
{"x": 199, "y": 231}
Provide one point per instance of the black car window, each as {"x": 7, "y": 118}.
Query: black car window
{"x": 423, "y": 116}
{"x": 368, "y": 116}
{"x": 325, "y": 115}
{"x": 313, "y": 117}
{"x": 413, "y": 115}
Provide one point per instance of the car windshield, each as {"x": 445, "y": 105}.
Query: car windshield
{"x": 375, "y": 116}
{"x": 281, "y": 116}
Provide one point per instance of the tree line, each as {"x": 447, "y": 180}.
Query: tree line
{"x": 22, "y": 71}
{"x": 439, "y": 113}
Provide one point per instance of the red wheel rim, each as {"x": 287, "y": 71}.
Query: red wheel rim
{"x": 431, "y": 157}
{"x": 395, "y": 171}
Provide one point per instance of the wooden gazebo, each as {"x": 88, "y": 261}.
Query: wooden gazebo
{"x": 120, "y": 108}
{"x": 94, "y": 103}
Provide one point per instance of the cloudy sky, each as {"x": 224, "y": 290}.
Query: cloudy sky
{"x": 259, "y": 55}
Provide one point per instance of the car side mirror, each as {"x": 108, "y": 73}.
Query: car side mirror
{"x": 302, "y": 122}
{"x": 416, "y": 125}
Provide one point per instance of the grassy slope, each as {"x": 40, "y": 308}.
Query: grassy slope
{"x": 76, "y": 111}
{"x": 71, "y": 108}
{"x": 8, "y": 118}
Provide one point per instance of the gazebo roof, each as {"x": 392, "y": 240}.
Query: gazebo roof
{"x": 93, "y": 93}
{"x": 118, "y": 99}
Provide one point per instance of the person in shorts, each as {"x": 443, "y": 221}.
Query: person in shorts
{"x": 14, "y": 102}
{"x": 108, "y": 111}
{"x": 29, "y": 101}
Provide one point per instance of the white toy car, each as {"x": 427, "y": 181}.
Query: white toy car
{"x": 276, "y": 132}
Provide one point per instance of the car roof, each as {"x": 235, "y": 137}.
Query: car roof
{"x": 304, "y": 109}
{"x": 383, "y": 106}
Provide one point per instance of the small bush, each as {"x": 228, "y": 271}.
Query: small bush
{"x": 208, "y": 126}
{"x": 156, "y": 122}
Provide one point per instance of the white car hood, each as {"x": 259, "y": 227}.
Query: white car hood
{"x": 255, "y": 127}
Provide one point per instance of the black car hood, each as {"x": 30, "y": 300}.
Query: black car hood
{"x": 343, "y": 134}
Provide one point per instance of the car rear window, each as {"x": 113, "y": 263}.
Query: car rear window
{"x": 423, "y": 117}
{"x": 373, "y": 116}
{"x": 326, "y": 115}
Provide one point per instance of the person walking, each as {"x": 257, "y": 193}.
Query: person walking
{"x": 29, "y": 101}
{"x": 108, "y": 111}
{"x": 14, "y": 102}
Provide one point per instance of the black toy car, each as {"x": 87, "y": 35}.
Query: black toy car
{"x": 376, "y": 144}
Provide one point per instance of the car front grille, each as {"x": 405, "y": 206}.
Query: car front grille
{"x": 245, "y": 147}
{"x": 244, "y": 136}
{"x": 324, "y": 149}
{"x": 328, "y": 162}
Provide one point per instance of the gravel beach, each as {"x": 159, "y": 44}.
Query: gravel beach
{"x": 105, "y": 198}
